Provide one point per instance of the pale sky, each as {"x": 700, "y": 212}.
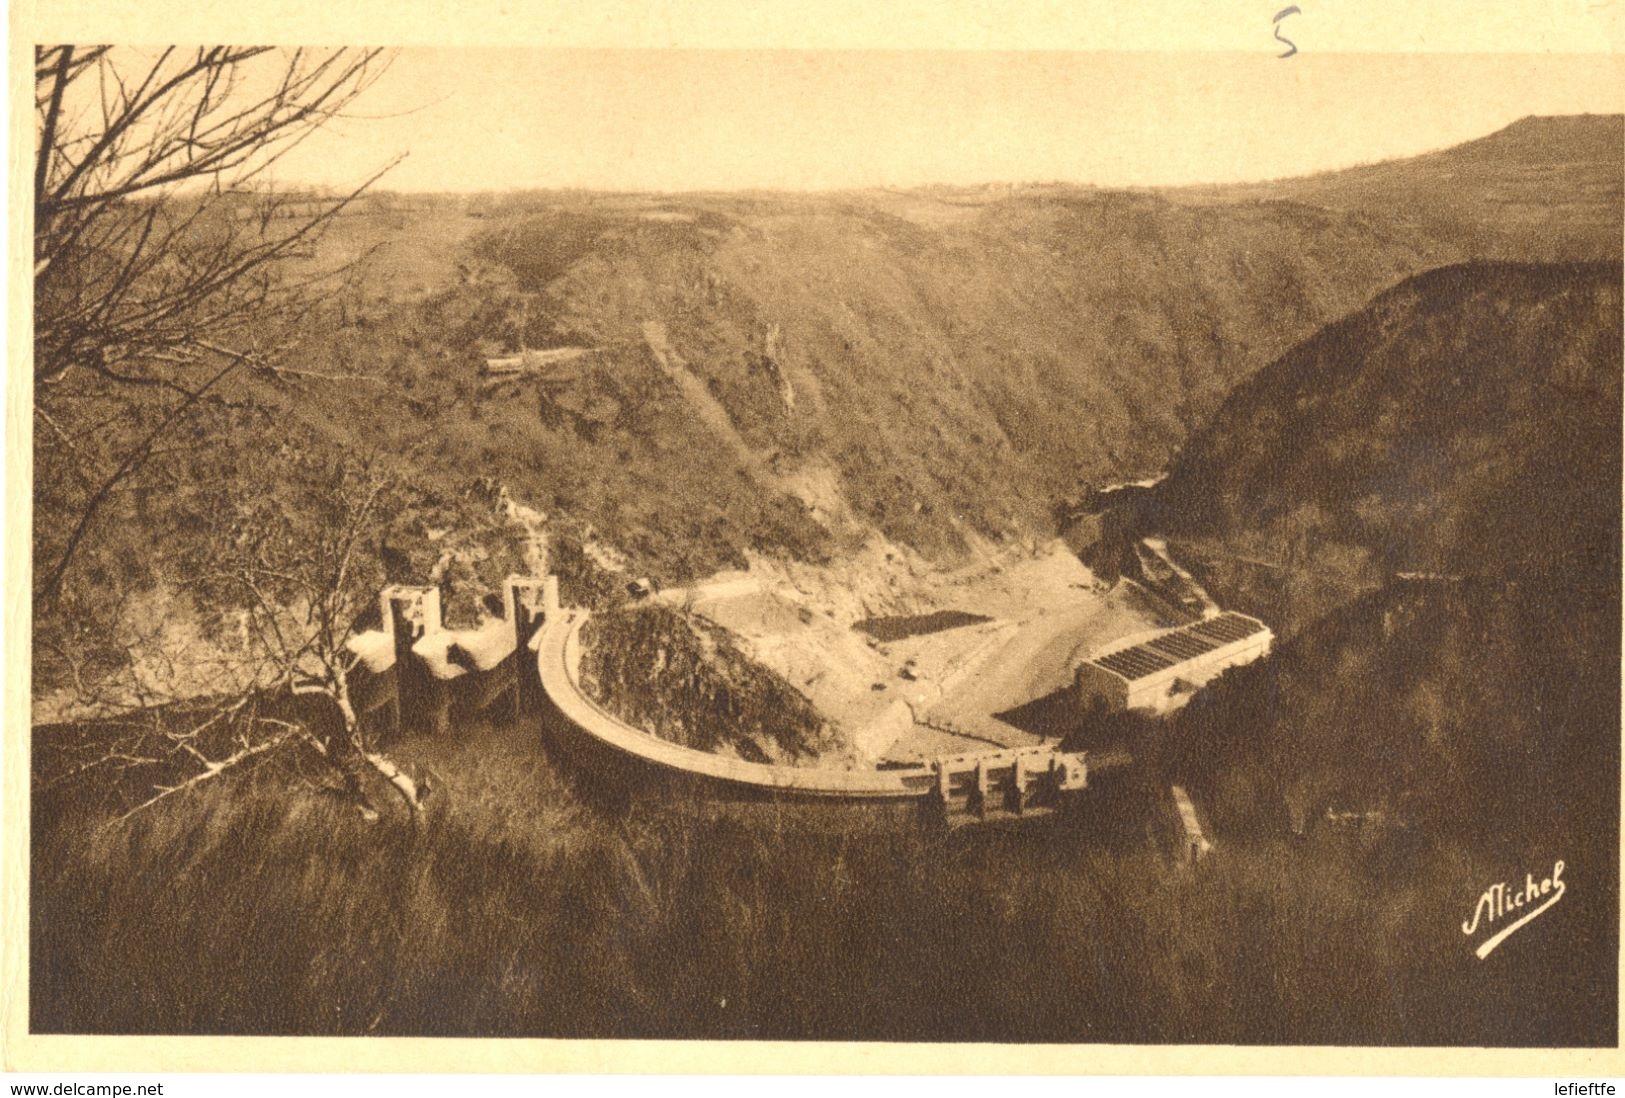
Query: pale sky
{"x": 489, "y": 119}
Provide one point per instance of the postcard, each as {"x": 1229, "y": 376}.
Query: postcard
{"x": 816, "y": 539}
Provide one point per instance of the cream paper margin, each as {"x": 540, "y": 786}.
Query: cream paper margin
{"x": 1347, "y": 26}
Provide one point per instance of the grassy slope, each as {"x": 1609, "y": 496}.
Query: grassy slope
{"x": 527, "y": 912}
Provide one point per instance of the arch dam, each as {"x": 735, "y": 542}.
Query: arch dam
{"x": 416, "y": 673}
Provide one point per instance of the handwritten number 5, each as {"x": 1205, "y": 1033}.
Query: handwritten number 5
{"x": 1279, "y": 37}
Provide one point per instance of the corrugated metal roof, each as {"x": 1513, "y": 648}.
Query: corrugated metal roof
{"x": 1182, "y": 645}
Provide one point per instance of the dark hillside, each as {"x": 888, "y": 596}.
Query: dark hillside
{"x": 1425, "y": 718}
{"x": 1425, "y": 498}
{"x": 1467, "y": 422}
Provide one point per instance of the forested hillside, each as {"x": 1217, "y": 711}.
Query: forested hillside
{"x": 1466, "y": 423}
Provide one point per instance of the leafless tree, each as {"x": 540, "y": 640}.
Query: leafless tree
{"x": 281, "y": 582}
{"x": 303, "y": 584}
{"x": 164, "y": 260}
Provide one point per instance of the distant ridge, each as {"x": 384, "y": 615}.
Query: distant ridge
{"x": 940, "y": 370}
{"x": 1546, "y": 187}
{"x": 1606, "y": 131}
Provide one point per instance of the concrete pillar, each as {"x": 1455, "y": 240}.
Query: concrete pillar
{"x": 526, "y": 598}
{"x": 409, "y": 613}
{"x": 550, "y": 595}
{"x": 1190, "y": 826}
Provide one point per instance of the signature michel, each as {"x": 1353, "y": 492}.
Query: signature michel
{"x": 1499, "y": 901}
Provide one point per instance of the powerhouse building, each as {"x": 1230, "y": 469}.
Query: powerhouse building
{"x": 1160, "y": 673}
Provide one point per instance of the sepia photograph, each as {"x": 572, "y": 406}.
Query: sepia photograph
{"x": 1020, "y": 547}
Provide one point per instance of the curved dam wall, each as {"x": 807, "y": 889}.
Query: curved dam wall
{"x": 419, "y": 671}
{"x": 558, "y": 667}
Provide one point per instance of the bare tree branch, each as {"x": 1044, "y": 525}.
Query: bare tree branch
{"x": 131, "y": 460}
{"x": 159, "y": 245}
{"x": 210, "y": 771}
{"x": 165, "y": 262}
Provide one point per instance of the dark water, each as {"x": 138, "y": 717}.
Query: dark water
{"x": 915, "y": 625}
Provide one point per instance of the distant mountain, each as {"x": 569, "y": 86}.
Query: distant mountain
{"x": 1543, "y": 188}
{"x": 939, "y": 362}
{"x": 1465, "y": 422}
